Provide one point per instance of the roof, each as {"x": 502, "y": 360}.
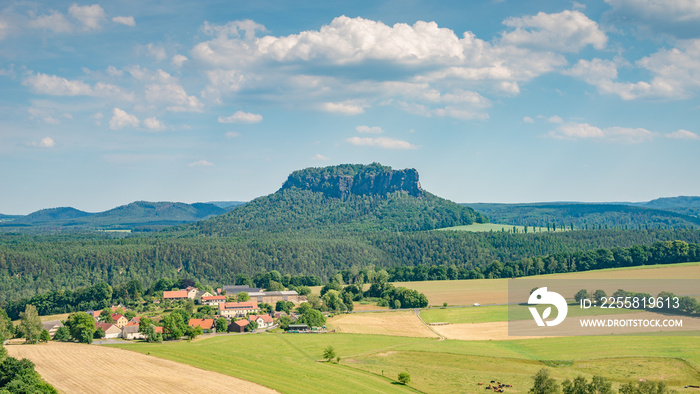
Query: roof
{"x": 175, "y": 294}
{"x": 107, "y": 326}
{"x": 159, "y": 330}
{"x": 48, "y": 325}
{"x": 117, "y": 316}
{"x": 213, "y": 298}
{"x": 280, "y": 293}
{"x": 231, "y": 289}
{"x": 241, "y": 323}
{"x": 238, "y": 305}
{"x": 265, "y": 318}
{"x": 130, "y": 329}
{"x": 136, "y": 319}
{"x": 206, "y": 324}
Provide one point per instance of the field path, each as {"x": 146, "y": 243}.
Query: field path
{"x": 76, "y": 368}
{"x": 417, "y": 312}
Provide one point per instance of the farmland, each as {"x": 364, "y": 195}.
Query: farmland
{"x": 486, "y": 227}
{"x": 434, "y": 366}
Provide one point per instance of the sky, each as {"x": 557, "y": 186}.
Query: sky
{"x": 106, "y": 103}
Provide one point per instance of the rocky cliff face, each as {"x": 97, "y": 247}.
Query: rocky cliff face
{"x": 345, "y": 180}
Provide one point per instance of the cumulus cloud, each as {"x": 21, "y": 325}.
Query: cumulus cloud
{"x": 4, "y": 28}
{"x": 585, "y": 131}
{"x": 121, "y": 119}
{"x": 46, "y": 142}
{"x": 680, "y": 18}
{"x": 232, "y": 134}
{"x": 175, "y": 95}
{"x": 567, "y": 31}
{"x": 201, "y": 163}
{"x": 528, "y": 119}
{"x": 369, "y": 130}
{"x": 55, "y": 22}
{"x": 125, "y": 20}
{"x": 56, "y": 86}
{"x": 345, "y": 108}
{"x": 241, "y": 117}
{"x": 320, "y": 157}
{"x": 381, "y": 142}
{"x": 178, "y": 60}
{"x": 90, "y": 16}
{"x": 683, "y": 135}
{"x": 156, "y": 51}
{"x": 153, "y": 124}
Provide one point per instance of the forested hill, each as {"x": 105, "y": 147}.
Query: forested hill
{"x": 587, "y": 216}
{"x": 344, "y": 197}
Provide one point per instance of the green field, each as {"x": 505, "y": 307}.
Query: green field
{"x": 290, "y": 363}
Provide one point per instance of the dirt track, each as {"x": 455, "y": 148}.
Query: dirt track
{"x": 76, "y": 368}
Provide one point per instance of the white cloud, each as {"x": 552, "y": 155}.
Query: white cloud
{"x": 345, "y": 108}
{"x": 125, "y": 20}
{"x": 90, "y": 16}
{"x": 675, "y": 17}
{"x": 56, "y": 86}
{"x": 55, "y": 22}
{"x": 114, "y": 72}
{"x": 4, "y": 28}
{"x": 381, "y": 142}
{"x": 555, "y": 119}
{"x": 178, "y": 60}
{"x": 369, "y": 130}
{"x": 175, "y": 95}
{"x": 153, "y": 124}
{"x": 201, "y": 163}
{"x": 156, "y": 51}
{"x": 241, "y": 117}
{"x": 121, "y": 119}
{"x": 232, "y": 134}
{"x": 528, "y": 119}
{"x": 46, "y": 142}
{"x": 683, "y": 135}
{"x": 567, "y": 31}
{"x": 321, "y": 157}
{"x": 578, "y": 131}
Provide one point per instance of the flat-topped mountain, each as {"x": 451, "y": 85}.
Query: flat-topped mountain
{"x": 348, "y": 196}
{"x": 355, "y": 179}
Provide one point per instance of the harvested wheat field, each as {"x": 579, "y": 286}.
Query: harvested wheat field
{"x": 77, "y": 368}
{"x": 401, "y": 324}
{"x": 496, "y": 331}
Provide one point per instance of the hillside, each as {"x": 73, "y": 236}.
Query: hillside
{"x": 683, "y": 204}
{"x": 139, "y": 215}
{"x": 584, "y": 215}
{"x": 355, "y": 197}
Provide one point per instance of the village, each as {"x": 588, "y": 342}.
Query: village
{"x": 229, "y": 309}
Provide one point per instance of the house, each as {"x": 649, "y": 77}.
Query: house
{"x": 191, "y": 292}
{"x": 279, "y": 314}
{"x": 233, "y": 290}
{"x": 271, "y": 297}
{"x": 120, "y": 320}
{"x": 131, "y": 331}
{"x": 264, "y": 321}
{"x": 201, "y": 294}
{"x": 213, "y": 300}
{"x": 238, "y": 309}
{"x": 159, "y": 329}
{"x": 111, "y": 330}
{"x": 52, "y": 326}
{"x": 237, "y": 326}
{"x": 135, "y": 319}
{"x": 207, "y": 325}
{"x": 175, "y": 295}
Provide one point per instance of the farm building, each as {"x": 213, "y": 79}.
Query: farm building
{"x": 131, "y": 331}
{"x": 264, "y": 321}
{"x": 237, "y": 326}
{"x": 271, "y": 297}
{"x": 119, "y": 320}
{"x": 213, "y": 300}
{"x": 238, "y": 309}
{"x": 111, "y": 330}
{"x": 175, "y": 295}
{"x": 207, "y": 325}
{"x": 52, "y": 326}
{"x": 233, "y": 290}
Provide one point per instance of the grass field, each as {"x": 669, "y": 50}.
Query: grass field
{"x": 289, "y": 362}
{"x": 76, "y": 368}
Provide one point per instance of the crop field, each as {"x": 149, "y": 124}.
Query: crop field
{"x": 486, "y": 227}
{"x": 399, "y": 323}
{"x": 76, "y": 368}
{"x": 291, "y": 362}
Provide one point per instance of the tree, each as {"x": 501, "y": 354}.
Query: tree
{"x": 404, "y": 378}
{"x": 581, "y": 295}
{"x": 329, "y": 353}
{"x": 251, "y": 326}
{"x": 106, "y": 316}
{"x": 62, "y": 334}
{"x": 312, "y": 318}
{"x": 192, "y": 332}
{"x": 543, "y": 383}
{"x": 242, "y": 297}
{"x": 284, "y": 322}
{"x": 81, "y": 327}
{"x": 44, "y": 336}
{"x": 6, "y": 327}
{"x": 598, "y": 385}
{"x": 598, "y": 295}
{"x": 30, "y": 324}
{"x": 99, "y": 333}
{"x": 221, "y": 325}
{"x": 648, "y": 387}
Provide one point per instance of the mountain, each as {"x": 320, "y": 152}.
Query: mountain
{"x": 584, "y": 215}
{"x": 139, "y": 215}
{"x": 348, "y": 196}
{"x": 227, "y": 205}
{"x": 686, "y": 205}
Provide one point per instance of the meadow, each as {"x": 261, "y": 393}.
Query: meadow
{"x": 486, "y": 227}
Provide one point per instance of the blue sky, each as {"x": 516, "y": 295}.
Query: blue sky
{"x": 494, "y": 101}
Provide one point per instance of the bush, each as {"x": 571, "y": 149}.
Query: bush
{"x": 404, "y": 378}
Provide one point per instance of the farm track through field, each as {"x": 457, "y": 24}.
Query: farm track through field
{"x": 77, "y": 368}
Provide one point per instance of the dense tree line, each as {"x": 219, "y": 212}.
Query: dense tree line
{"x": 38, "y": 264}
